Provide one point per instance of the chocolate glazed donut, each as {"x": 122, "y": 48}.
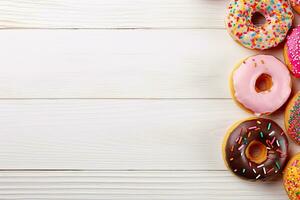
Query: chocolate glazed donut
{"x": 255, "y": 149}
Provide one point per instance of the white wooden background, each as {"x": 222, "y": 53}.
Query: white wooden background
{"x": 114, "y": 99}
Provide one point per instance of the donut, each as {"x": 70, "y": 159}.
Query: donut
{"x": 296, "y": 5}
{"x": 292, "y": 118}
{"x": 291, "y": 178}
{"x": 260, "y": 84}
{"x": 255, "y": 149}
{"x": 239, "y": 22}
{"x": 292, "y": 51}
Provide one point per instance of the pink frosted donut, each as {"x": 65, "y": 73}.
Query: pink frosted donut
{"x": 292, "y": 52}
{"x": 261, "y": 84}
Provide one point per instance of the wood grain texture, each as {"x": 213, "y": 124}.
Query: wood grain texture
{"x": 118, "y": 64}
{"x": 115, "y": 134}
{"x": 144, "y": 110}
{"x": 112, "y": 14}
{"x": 134, "y": 185}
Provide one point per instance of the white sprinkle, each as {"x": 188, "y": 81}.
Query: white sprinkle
{"x": 277, "y": 142}
{"x": 258, "y": 176}
{"x": 271, "y": 133}
{"x": 240, "y": 147}
{"x": 254, "y": 171}
{"x": 264, "y": 170}
{"x": 260, "y": 166}
{"x": 235, "y": 170}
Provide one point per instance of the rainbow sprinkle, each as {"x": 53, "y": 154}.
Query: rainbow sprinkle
{"x": 294, "y": 120}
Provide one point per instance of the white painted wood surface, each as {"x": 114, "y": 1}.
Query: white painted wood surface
{"x": 133, "y": 185}
{"x": 112, "y": 14}
{"x": 170, "y": 14}
{"x": 127, "y": 100}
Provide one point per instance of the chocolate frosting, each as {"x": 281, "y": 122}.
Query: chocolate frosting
{"x": 264, "y": 131}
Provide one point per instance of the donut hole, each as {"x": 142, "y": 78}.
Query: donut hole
{"x": 256, "y": 152}
{"x": 258, "y": 19}
{"x": 263, "y": 83}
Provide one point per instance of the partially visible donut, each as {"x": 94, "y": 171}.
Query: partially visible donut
{"x": 291, "y": 178}
{"x": 260, "y": 84}
{"x": 292, "y": 51}
{"x": 292, "y": 118}
{"x": 296, "y": 5}
{"x": 255, "y": 149}
{"x": 239, "y": 23}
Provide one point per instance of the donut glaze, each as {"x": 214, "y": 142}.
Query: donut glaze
{"x": 244, "y": 80}
{"x": 264, "y": 131}
{"x": 292, "y": 118}
{"x": 292, "y": 51}
{"x": 291, "y": 178}
{"x": 239, "y": 24}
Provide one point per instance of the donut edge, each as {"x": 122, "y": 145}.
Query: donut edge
{"x": 286, "y": 58}
{"x": 296, "y": 9}
{"x": 287, "y": 114}
{"x": 232, "y": 91}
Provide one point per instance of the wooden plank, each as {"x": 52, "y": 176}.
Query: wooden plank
{"x": 134, "y": 185}
{"x": 115, "y": 134}
{"x": 118, "y": 64}
{"x": 112, "y": 14}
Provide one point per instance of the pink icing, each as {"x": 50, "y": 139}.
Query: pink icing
{"x": 244, "y": 79}
{"x": 293, "y": 44}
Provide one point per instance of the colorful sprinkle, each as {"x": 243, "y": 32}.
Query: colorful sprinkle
{"x": 261, "y": 134}
{"x": 257, "y": 177}
{"x": 260, "y": 166}
{"x": 277, "y": 165}
{"x": 269, "y": 126}
{"x": 242, "y": 146}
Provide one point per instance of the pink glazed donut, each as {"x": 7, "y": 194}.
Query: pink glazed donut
{"x": 292, "y": 51}
{"x": 260, "y": 84}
